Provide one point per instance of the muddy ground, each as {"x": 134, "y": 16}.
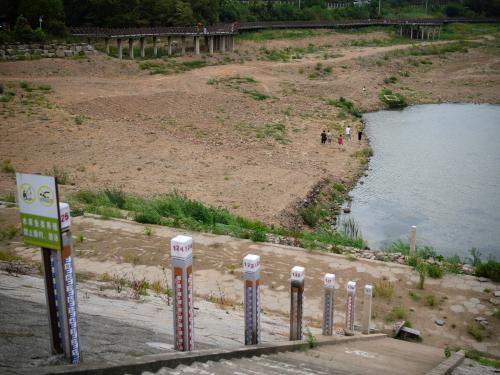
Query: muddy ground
{"x": 108, "y": 123}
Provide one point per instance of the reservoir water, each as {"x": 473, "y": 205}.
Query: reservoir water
{"x": 437, "y": 167}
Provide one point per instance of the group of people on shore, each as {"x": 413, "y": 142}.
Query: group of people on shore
{"x": 326, "y": 137}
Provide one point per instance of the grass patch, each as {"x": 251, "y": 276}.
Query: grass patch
{"x": 477, "y": 331}
{"x": 244, "y": 85}
{"x": 392, "y": 100}
{"x": 6, "y": 256}
{"x": 276, "y": 132}
{"x": 482, "y": 358}
{"x": 490, "y": 269}
{"x": 346, "y": 106}
{"x": 7, "y": 167}
{"x": 26, "y": 86}
{"x": 176, "y": 210}
{"x": 61, "y": 175}
{"x": 171, "y": 66}
{"x": 383, "y": 289}
{"x": 397, "y": 313}
{"x": 270, "y": 34}
{"x": 288, "y": 53}
{"x": 414, "y": 296}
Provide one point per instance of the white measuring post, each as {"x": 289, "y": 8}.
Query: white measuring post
{"x": 350, "y": 308}
{"x": 46, "y": 223}
{"x": 329, "y": 307}
{"x": 297, "y": 303}
{"x": 251, "y": 281}
{"x": 367, "y": 308}
{"x": 181, "y": 250}
{"x": 413, "y": 239}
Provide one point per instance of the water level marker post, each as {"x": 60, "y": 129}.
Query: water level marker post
{"x": 297, "y": 303}
{"x": 46, "y": 223}
{"x": 251, "y": 281}
{"x": 413, "y": 239}
{"x": 350, "y": 308}
{"x": 181, "y": 251}
{"x": 367, "y": 309}
{"x": 329, "y": 284}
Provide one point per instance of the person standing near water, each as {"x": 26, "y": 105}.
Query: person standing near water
{"x": 323, "y": 137}
{"x": 348, "y": 133}
{"x": 360, "y": 134}
{"x": 329, "y": 136}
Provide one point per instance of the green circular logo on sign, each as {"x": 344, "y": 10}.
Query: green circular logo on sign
{"x": 27, "y": 194}
{"x": 46, "y": 196}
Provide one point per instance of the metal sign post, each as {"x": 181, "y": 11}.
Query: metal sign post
{"x": 367, "y": 309}
{"x": 350, "y": 308}
{"x": 181, "y": 250}
{"x": 251, "y": 280}
{"x": 329, "y": 304}
{"x": 297, "y": 303}
{"x": 45, "y": 222}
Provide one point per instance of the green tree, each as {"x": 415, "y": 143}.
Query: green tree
{"x": 51, "y": 10}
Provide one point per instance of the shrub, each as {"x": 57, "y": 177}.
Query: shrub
{"x": 7, "y": 167}
{"x": 476, "y": 331}
{"x": 392, "y": 100}
{"x": 310, "y": 214}
{"x": 25, "y": 86}
{"x": 24, "y": 33}
{"x": 1, "y": 88}
{"x": 346, "y": 105}
{"x": 435, "y": 271}
{"x": 490, "y": 269}
{"x": 421, "y": 268}
{"x": 258, "y": 235}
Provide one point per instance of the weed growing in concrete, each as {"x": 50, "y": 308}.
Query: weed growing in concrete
{"x": 482, "y": 358}
{"x": 311, "y": 339}
{"x": 79, "y": 119}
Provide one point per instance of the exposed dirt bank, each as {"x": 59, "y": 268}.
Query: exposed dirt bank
{"x": 110, "y": 124}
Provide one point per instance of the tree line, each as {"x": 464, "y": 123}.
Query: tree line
{"x": 58, "y": 14}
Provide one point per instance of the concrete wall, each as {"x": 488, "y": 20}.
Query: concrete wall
{"x": 36, "y": 51}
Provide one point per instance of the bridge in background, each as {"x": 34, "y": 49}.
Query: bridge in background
{"x": 221, "y": 36}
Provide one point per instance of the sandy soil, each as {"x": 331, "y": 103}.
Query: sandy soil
{"x": 151, "y": 134}
{"x": 120, "y": 248}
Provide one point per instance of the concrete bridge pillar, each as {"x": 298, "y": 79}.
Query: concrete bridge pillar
{"x": 401, "y": 31}
{"x": 120, "y": 48}
{"x": 196, "y": 45}
{"x": 411, "y": 33}
{"x": 211, "y": 45}
{"x": 106, "y": 45}
{"x": 183, "y": 45}
{"x": 230, "y": 43}
{"x": 131, "y": 48}
{"x": 169, "y": 41}
{"x": 155, "y": 47}
{"x": 223, "y": 43}
{"x": 143, "y": 52}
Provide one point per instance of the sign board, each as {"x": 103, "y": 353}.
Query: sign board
{"x": 38, "y": 205}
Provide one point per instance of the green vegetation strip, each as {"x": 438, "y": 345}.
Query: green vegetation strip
{"x": 175, "y": 210}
